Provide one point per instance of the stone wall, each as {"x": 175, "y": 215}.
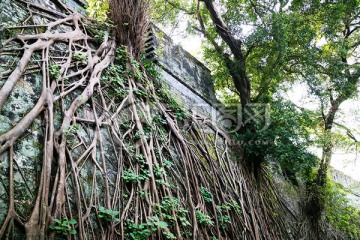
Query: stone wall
{"x": 190, "y": 80}
{"x": 77, "y": 5}
{"x": 187, "y": 77}
{"x": 28, "y": 151}
{"x": 32, "y": 166}
{"x": 183, "y": 66}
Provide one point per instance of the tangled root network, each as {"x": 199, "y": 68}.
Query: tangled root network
{"x": 119, "y": 157}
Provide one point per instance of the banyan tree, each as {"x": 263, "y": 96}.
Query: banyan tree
{"x": 94, "y": 146}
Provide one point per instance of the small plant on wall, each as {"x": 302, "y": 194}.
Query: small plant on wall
{"x": 108, "y": 215}
{"x": 63, "y": 227}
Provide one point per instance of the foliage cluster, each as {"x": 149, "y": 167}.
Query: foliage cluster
{"x": 340, "y": 212}
{"x": 282, "y": 47}
{"x": 148, "y": 169}
{"x": 63, "y": 227}
{"x": 276, "y": 44}
{"x": 144, "y": 230}
{"x": 108, "y": 215}
{"x": 285, "y": 141}
{"x": 98, "y": 9}
{"x": 203, "y": 218}
{"x": 171, "y": 205}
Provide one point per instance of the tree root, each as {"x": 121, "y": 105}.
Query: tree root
{"x": 138, "y": 168}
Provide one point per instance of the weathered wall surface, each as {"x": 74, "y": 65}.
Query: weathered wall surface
{"x": 183, "y": 66}
{"x": 77, "y": 5}
{"x": 21, "y": 100}
{"x": 28, "y": 151}
{"x": 73, "y": 161}
{"x": 189, "y": 79}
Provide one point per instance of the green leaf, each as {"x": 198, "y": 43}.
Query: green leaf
{"x": 72, "y": 221}
{"x": 161, "y": 224}
{"x": 57, "y": 221}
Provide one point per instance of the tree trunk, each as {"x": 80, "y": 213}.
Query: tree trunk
{"x": 237, "y": 67}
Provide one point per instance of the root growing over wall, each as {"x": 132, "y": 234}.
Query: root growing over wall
{"x": 119, "y": 155}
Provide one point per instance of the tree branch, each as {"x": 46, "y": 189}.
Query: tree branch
{"x": 223, "y": 30}
{"x": 177, "y": 6}
{"x": 348, "y": 131}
